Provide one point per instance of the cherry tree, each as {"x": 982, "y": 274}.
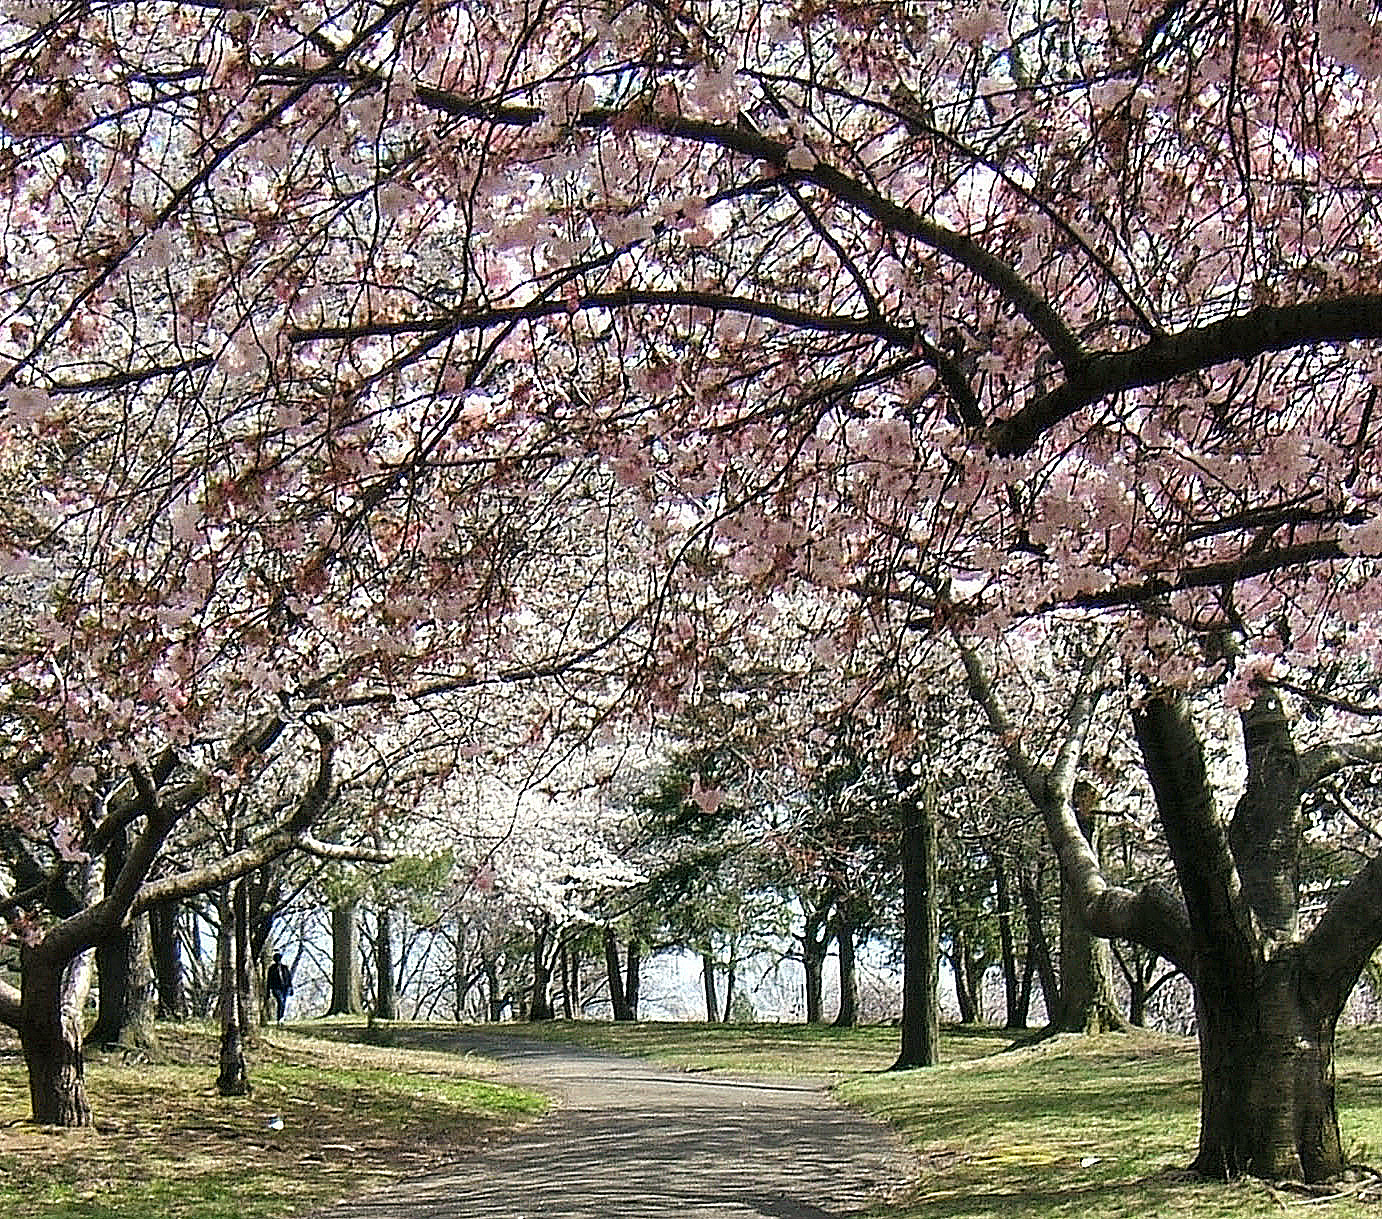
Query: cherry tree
{"x": 337, "y": 335}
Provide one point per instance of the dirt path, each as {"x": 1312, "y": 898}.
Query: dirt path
{"x": 627, "y": 1140}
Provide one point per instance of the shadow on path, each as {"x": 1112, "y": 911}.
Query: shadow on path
{"x": 631, "y": 1141}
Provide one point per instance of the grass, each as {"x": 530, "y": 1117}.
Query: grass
{"x": 354, "y": 1117}
{"x": 1075, "y": 1126}
{"x": 774, "y": 1049}
{"x": 1092, "y": 1126}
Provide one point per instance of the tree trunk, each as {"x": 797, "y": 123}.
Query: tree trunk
{"x": 618, "y": 999}
{"x": 725, "y": 1013}
{"x": 920, "y": 929}
{"x": 1266, "y": 1080}
{"x": 848, "y": 1015}
{"x": 1012, "y": 984}
{"x": 1087, "y": 1002}
{"x": 1038, "y": 950}
{"x": 125, "y": 1003}
{"x": 540, "y": 1006}
{"x": 385, "y": 987}
{"x": 167, "y": 961}
{"x": 815, "y": 942}
{"x": 233, "y": 1079}
{"x": 460, "y": 978}
{"x": 564, "y": 953}
{"x": 712, "y": 1012}
{"x": 964, "y": 992}
{"x": 632, "y": 965}
{"x": 52, "y": 996}
{"x": 495, "y": 998}
{"x": 346, "y": 987}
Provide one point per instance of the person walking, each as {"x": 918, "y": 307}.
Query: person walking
{"x": 280, "y": 984}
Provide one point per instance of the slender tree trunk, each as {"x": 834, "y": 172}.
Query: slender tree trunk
{"x": 920, "y": 928}
{"x": 495, "y": 998}
{"x": 725, "y": 1012}
{"x": 848, "y": 1015}
{"x": 712, "y": 1012}
{"x": 460, "y": 978}
{"x": 52, "y": 998}
{"x": 246, "y": 981}
{"x": 1012, "y": 985}
{"x": 1024, "y": 992}
{"x": 632, "y": 967}
{"x": 564, "y": 956}
{"x": 346, "y": 987}
{"x": 167, "y": 961}
{"x": 815, "y": 943}
{"x": 385, "y": 985}
{"x": 1038, "y": 949}
{"x": 234, "y": 1077}
{"x": 964, "y": 991}
{"x": 540, "y": 1006}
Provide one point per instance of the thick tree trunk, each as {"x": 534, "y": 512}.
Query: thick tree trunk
{"x": 346, "y": 987}
{"x": 712, "y": 1011}
{"x": 540, "y": 1005}
{"x": 385, "y": 985}
{"x": 495, "y": 997}
{"x": 848, "y": 1015}
{"x": 1266, "y": 1080}
{"x": 920, "y": 930}
{"x": 618, "y": 1000}
{"x": 1087, "y": 1002}
{"x": 167, "y": 961}
{"x": 52, "y": 996}
{"x": 125, "y": 1002}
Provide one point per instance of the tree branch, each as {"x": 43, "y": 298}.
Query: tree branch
{"x": 341, "y": 850}
{"x": 1243, "y": 336}
{"x": 1322, "y": 761}
{"x": 1348, "y": 933}
{"x": 1219, "y": 919}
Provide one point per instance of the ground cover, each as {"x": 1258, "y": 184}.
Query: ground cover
{"x": 1072, "y": 1126}
{"x": 791, "y": 1049}
{"x": 353, "y": 1117}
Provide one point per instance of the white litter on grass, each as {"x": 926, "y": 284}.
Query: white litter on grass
{"x": 275, "y": 1122}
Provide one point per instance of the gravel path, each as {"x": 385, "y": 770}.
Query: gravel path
{"x": 627, "y": 1140}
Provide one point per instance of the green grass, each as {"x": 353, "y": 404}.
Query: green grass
{"x": 1076, "y": 1126}
{"x": 354, "y": 1117}
{"x": 791, "y": 1049}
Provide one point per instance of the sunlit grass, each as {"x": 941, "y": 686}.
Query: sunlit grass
{"x": 352, "y": 1117}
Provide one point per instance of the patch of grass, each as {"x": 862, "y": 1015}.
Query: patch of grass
{"x": 1098, "y": 1126}
{"x": 787, "y": 1049}
{"x": 353, "y": 1117}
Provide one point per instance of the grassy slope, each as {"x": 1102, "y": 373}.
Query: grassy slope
{"x": 354, "y": 1117}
